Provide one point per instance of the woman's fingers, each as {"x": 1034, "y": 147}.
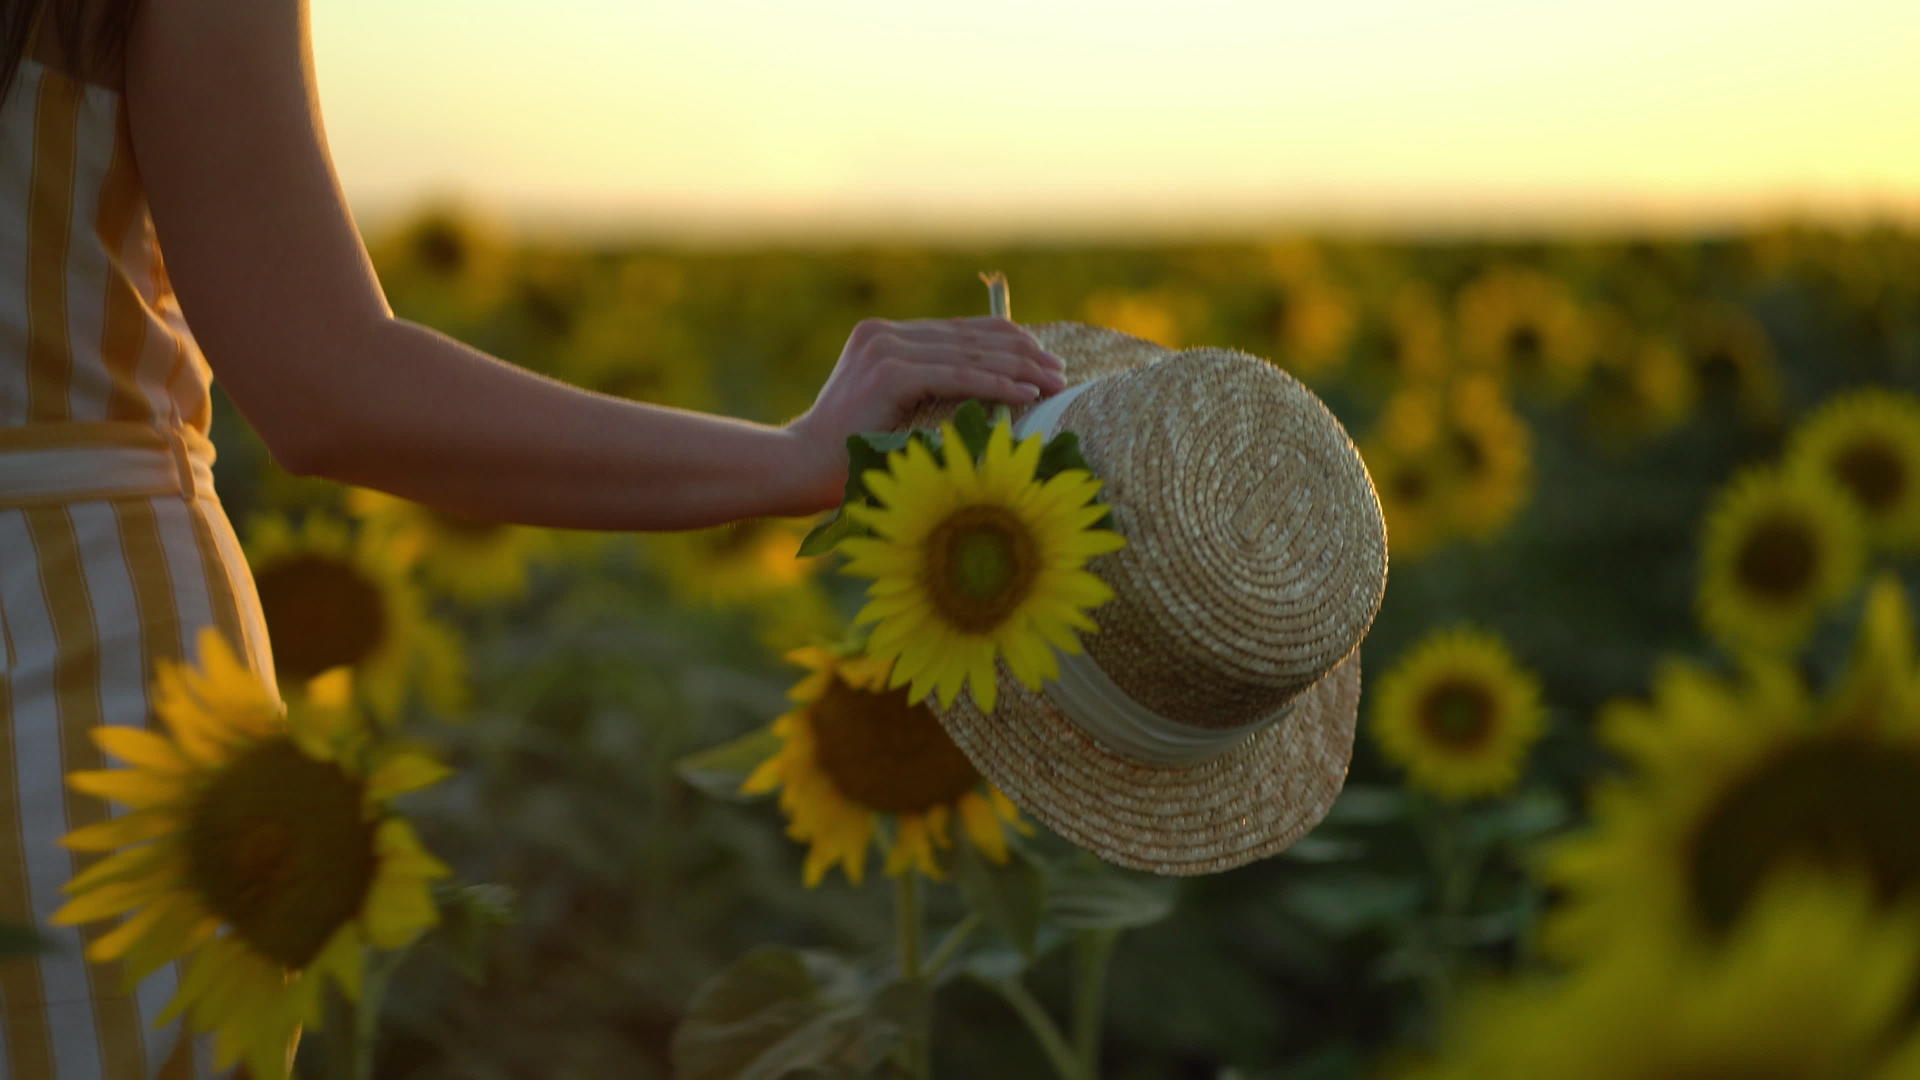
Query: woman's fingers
{"x": 985, "y": 332}
{"x": 1022, "y": 368}
{"x": 909, "y": 382}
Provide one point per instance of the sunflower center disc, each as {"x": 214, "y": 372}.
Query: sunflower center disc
{"x": 321, "y": 613}
{"x": 1458, "y": 714}
{"x": 276, "y": 847}
{"x": 1873, "y": 472}
{"x": 1410, "y": 483}
{"x": 1467, "y": 451}
{"x": 1836, "y": 802}
{"x": 1719, "y": 372}
{"x": 980, "y": 566}
{"x": 441, "y": 249}
{"x": 1525, "y": 347}
{"x": 886, "y": 754}
{"x": 1777, "y": 559}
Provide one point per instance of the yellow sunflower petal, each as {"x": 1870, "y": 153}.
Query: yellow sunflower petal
{"x": 127, "y": 864}
{"x": 402, "y": 772}
{"x": 184, "y": 926}
{"x": 401, "y": 852}
{"x": 983, "y": 826}
{"x": 138, "y": 789}
{"x": 397, "y": 910}
{"x": 140, "y": 747}
{"x": 112, "y": 898}
{"x": 134, "y": 828}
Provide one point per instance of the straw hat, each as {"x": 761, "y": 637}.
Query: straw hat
{"x": 1210, "y": 720}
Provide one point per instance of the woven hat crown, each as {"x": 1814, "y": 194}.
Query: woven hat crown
{"x": 1256, "y": 552}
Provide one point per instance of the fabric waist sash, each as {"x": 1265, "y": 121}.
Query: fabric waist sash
{"x": 43, "y": 464}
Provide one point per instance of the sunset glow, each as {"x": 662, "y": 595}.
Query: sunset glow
{"x": 737, "y": 116}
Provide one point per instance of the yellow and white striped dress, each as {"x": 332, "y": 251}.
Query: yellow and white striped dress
{"x": 114, "y": 550}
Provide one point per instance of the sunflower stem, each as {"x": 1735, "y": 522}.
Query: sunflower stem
{"x": 1456, "y": 866}
{"x": 353, "y": 1027}
{"x": 906, "y": 895}
{"x": 998, "y": 303}
{"x": 950, "y": 945}
{"x": 1045, "y": 1031}
{"x": 1092, "y": 949}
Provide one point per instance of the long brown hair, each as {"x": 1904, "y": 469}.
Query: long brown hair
{"x": 82, "y": 27}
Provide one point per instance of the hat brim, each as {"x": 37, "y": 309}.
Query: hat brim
{"x": 1247, "y": 803}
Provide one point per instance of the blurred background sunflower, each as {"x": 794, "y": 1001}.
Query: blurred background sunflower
{"x": 1867, "y": 444}
{"x": 331, "y": 599}
{"x": 259, "y": 847}
{"x": 1459, "y": 713}
{"x": 1780, "y": 550}
{"x": 474, "y": 562}
{"x": 1813, "y": 983}
{"x": 854, "y": 753}
{"x": 1733, "y": 779}
{"x": 1526, "y": 329}
{"x": 733, "y": 565}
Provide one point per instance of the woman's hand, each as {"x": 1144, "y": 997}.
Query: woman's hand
{"x": 888, "y": 368}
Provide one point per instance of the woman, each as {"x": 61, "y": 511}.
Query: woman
{"x": 193, "y": 127}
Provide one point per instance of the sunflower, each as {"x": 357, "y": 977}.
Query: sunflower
{"x": 1526, "y": 329}
{"x": 1813, "y": 983}
{"x": 1868, "y": 443}
{"x": 447, "y": 267}
{"x": 331, "y": 601}
{"x": 1489, "y": 451}
{"x": 1733, "y": 361}
{"x": 731, "y": 566}
{"x": 631, "y": 342}
{"x": 977, "y": 561}
{"x": 1310, "y": 319}
{"x": 1162, "y": 316}
{"x": 1780, "y": 549}
{"x": 1402, "y": 340}
{"x": 475, "y": 562}
{"x": 802, "y": 615}
{"x": 1415, "y": 491}
{"x": 1640, "y": 386}
{"x": 1729, "y": 780}
{"x": 851, "y": 750}
{"x": 1882, "y": 677}
{"x": 1459, "y": 714}
{"x": 259, "y": 846}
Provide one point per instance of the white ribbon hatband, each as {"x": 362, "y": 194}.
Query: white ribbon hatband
{"x": 1090, "y": 698}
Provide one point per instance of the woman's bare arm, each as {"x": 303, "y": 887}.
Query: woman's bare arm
{"x": 276, "y": 284}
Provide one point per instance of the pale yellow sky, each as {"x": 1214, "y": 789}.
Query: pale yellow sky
{"x": 756, "y": 117}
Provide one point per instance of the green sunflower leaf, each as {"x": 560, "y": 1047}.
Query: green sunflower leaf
{"x": 720, "y": 770}
{"x": 471, "y": 917}
{"x": 778, "y": 1011}
{"x": 971, "y": 423}
{"x": 823, "y": 537}
{"x": 1061, "y": 453}
{"x": 1081, "y": 896}
{"x": 865, "y": 450}
{"x": 1009, "y": 895}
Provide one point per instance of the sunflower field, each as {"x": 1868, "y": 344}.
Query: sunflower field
{"x": 1637, "y": 780}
